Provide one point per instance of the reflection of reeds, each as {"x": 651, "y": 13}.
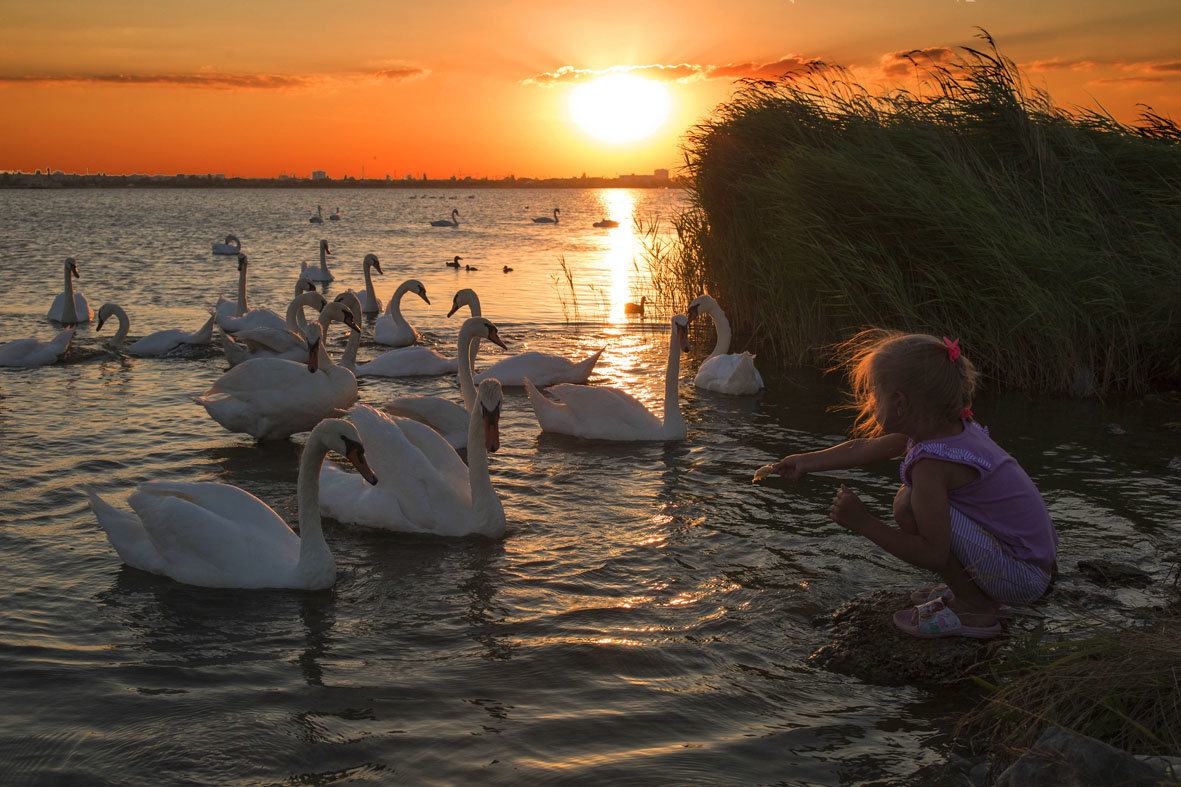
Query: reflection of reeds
{"x": 973, "y": 207}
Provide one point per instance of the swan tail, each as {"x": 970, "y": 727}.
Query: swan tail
{"x": 61, "y": 342}
{"x": 126, "y": 533}
{"x": 746, "y": 377}
{"x": 204, "y": 334}
{"x": 583, "y": 370}
{"x": 235, "y": 353}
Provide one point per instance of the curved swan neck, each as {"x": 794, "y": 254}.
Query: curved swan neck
{"x": 295, "y": 317}
{"x": 484, "y": 499}
{"x": 349, "y": 358}
{"x": 722, "y": 326}
{"x": 323, "y": 257}
{"x": 124, "y": 326}
{"x": 313, "y": 549}
{"x": 323, "y": 359}
{"x": 672, "y": 399}
{"x": 370, "y": 293}
{"x": 469, "y": 344}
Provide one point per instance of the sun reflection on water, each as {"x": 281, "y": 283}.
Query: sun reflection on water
{"x": 622, "y": 249}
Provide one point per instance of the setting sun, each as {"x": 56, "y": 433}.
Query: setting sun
{"x": 620, "y": 107}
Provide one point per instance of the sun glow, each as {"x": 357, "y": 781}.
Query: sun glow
{"x": 620, "y": 107}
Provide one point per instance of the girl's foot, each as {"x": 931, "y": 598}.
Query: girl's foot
{"x": 923, "y": 595}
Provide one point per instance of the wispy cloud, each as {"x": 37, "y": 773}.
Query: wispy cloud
{"x": 682, "y": 72}
{"x": 216, "y": 81}
{"x": 903, "y": 62}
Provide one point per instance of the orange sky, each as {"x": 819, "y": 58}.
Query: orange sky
{"x": 262, "y": 87}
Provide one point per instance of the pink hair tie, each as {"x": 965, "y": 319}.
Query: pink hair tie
{"x": 953, "y": 349}
{"x": 966, "y": 413}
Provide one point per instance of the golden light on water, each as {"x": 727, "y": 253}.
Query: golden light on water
{"x": 622, "y": 250}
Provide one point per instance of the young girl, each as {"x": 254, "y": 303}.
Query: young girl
{"x": 966, "y": 509}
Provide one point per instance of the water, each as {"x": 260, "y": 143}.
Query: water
{"x": 646, "y": 619}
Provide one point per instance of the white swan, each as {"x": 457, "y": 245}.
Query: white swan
{"x": 290, "y": 343}
{"x": 543, "y": 369}
{"x": 391, "y": 328}
{"x": 452, "y": 222}
{"x": 547, "y": 219}
{"x": 371, "y": 304}
{"x": 69, "y": 307}
{"x": 30, "y": 352}
{"x": 321, "y": 274}
{"x": 723, "y": 371}
{"x": 319, "y": 217}
{"x": 603, "y": 413}
{"x": 237, "y": 315}
{"x": 424, "y": 486}
{"x": 444, "y": 416}
{"x": 273, "y": 398}
{"x": 217, "y": 535}
{"x": 231, "y": 246}
{"x": 154, "y": 344}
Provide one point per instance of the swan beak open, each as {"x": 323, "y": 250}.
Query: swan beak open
{"x": 494, "y": 337}
{"x": 491, "y": 429}
{"x": 356, "y": 454}
{"x": 313, "y": 356}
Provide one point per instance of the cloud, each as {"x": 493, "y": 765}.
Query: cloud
{"x": 214, "y": 81}
{"x": 903, "y": 62}
{"x": 682, "y": 72}
{"x": 1128, "y": 81}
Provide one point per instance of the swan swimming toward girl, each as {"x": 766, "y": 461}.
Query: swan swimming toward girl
{"x": 154, "y": 344}
{"x": 723, "y": 371}
{"x": 424, "y": 486}
{"x": 603, "y": 413}
{"x": 219, "y": 536}
{"x": 69, "y": 307}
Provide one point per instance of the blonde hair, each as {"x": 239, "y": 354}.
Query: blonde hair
{"x": 880, "y": 361}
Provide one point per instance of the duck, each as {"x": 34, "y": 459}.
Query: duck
{"x": 606, "y": 224}
{"x": 391, "y": 328}
{"x": 724, "y": 371}
{"x": 321, "y": 274}
{"x": 319, "y": 217}
{"x": 635, "y": 309}
{"x": 371, "y": 304}
{"x": 217, "y": 535}
{"x": 454, "y": 263}
{"x": 604, "y": 413}
{"x": 154, "y": 344}
{"x": 507, "y": 269}
{"x": 424, "y": 486}
{"x": 335, "y": 216}
{"x": 289, "y": 343}
{"x": 273, "y": 398}
{"x": 547, "y": 219}
{"x": 544, "y": 369}
{"x": 470, "y": 268}
{"x": 69, "y": 307}
{"x": 231, "y": 246}
{"x": 443, "y": 415}
{"x": 31, "y": 352}
{"x": 233, "y": 316}
{"x": 452, "y": 222}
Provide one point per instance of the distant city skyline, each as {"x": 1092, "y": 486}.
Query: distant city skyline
{"x": 129, "y": 86}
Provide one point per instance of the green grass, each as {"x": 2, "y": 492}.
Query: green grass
{"x": 1048, "y": 240}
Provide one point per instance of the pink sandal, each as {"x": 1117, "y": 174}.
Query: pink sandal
{"x": 935, "y": 619}
{"x": 923, "y": 595}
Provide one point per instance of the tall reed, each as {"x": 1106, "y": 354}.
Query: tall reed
{"x": 972, "y": 207}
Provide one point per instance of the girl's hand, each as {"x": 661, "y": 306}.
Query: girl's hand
{"x": 791, "y": 467}
{"x": 849, "y": 512}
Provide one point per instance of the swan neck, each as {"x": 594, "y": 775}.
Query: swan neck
{"x": 323, "y": 259}
{"x": 349, "y": 358}
{"x": 242, "y": 292}
{"x": 124, "y": 326}
{"x": 294, "y": 315}
{"x": 722, "y": 325}
{"x": 69, "y": 310}
{"x": 322, "y": 357}
{"x": 370, "y": 293}
{"x": 313, "y": 549}
{"x": 672, "y": 401}
{"x": 469, "y": 344}
{"x": 484, "y": 499}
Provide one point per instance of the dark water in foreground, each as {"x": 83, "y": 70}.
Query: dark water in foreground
{"x": 646, "y": 620}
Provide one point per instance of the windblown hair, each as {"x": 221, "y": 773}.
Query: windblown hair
{"x": 881, "y": 362}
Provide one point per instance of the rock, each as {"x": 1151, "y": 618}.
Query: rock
{"x": 1067, "y": 759}
{"x": 867, "y": 645}
{"x": 1110, "y": 574}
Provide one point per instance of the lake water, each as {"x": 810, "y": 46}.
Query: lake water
{"x": 647, "y": 619}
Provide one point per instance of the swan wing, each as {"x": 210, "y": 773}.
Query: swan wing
{"x": 268, "y": 339}
{"x": 595, "y": 412}
{"x": 408, "y": 362}
{"x": 445, "y": 417}
{"x": 158, "y": 343}
{"x": 543, "y": 369}
{"x": 126, "y": 533}
{"x": 254, "y": 318}
{"x": 30, "y": 352}
{"x": 733, "y": 373}
{"x": 386, "y": 331}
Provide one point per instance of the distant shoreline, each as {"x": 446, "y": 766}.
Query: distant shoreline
{"x": 21, "y": 180}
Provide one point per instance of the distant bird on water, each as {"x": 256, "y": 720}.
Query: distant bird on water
{"x": 335, "y": 216}
{"x": 455, "y": 262}
{"x": 636, "y": 309}
{"x": 470, "y": 268}
{"x": 319, "y": 217}
{"x": 453, "y": 222}
{"x": 606, "y": 223}
{"x": 547, "y": 219}
{"x": 507, "y": 269}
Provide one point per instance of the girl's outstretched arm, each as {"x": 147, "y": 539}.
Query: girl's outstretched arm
{"x": 854, "y": 453}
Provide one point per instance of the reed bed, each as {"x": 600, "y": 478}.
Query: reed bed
{"x": 972, "y": 206}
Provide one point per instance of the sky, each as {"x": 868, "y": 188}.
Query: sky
{"x": 258, "y": 88}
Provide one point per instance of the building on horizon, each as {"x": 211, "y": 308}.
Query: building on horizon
{"x": 319, "y": 174}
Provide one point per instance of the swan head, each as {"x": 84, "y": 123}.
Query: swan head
{"x": 697, "y": 304}
{"x": 314, "y": 335}
{"x": 455, "y": 211}
{"x": 241, "y": 261}
{"x": 340, "y": 435}
{"x": 415, "y": 286}
{"x": 680, "y": 325}
{"x": 371, "y": 261}
{"x": 465, "y": 297}
{"x": 104, "y": 314}
{"x": 324, "y": 247}
{"x": 480, "y": 326}
{"x": 488, "y": 400}
{"x": 303, "y": 285}
{"x": 72, "y": 267}
{"x": 350, "y": 301}
{"x": 338, "y": 312}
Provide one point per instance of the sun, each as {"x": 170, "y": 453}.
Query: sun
{"x": 620, "y": 107}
